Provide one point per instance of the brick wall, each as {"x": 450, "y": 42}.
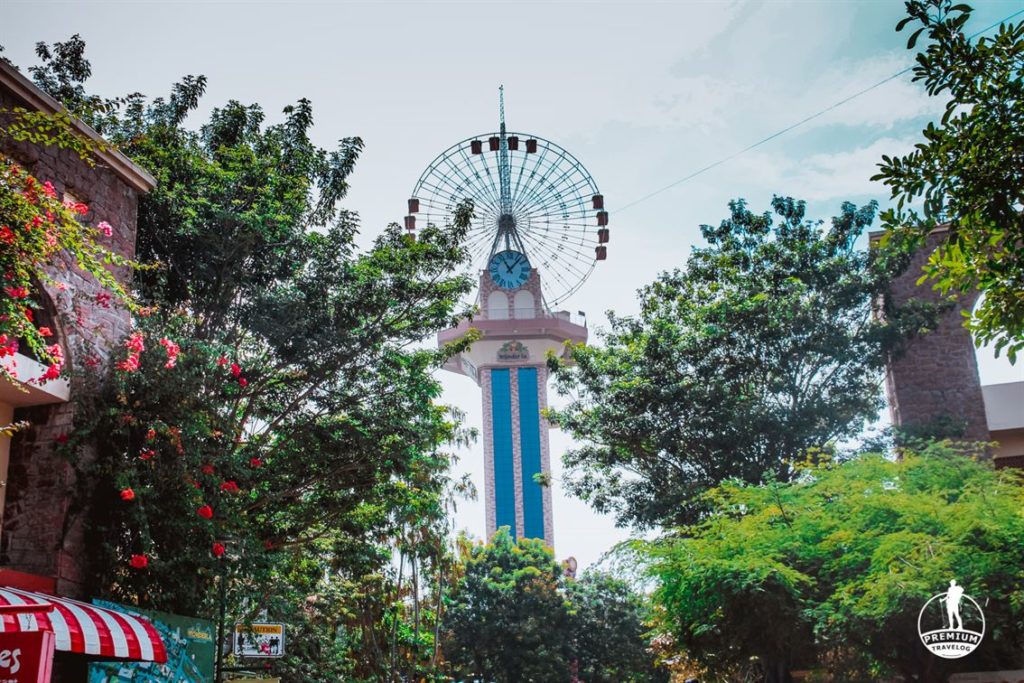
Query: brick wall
{"x": 937, "y": 377}
{"x": 42, "y": 526}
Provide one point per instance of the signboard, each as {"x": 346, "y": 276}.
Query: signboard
{"x": 26, "y": 657}
{"x": 512, "y": 351}
{"x": 190, "y": 651}
{"x": 259, "y": 640}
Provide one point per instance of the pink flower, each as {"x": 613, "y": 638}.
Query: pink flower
{"x": 103, "y": 299}
{"x": 106, "y": 228}
{"x": 49, "y": 190}
{"x": 172, "y": 352}
{"x": 129, "y": 364}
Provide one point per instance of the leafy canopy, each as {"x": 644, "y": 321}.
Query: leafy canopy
{"x": 968, "y": 172}
{"x": 833, "y": 568}
{"x": 765, "y": 346}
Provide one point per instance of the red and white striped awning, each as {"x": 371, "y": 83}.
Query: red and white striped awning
{"x": 81, "y": 627}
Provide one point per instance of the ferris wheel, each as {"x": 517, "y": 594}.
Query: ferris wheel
{"x": 529, "y": 195}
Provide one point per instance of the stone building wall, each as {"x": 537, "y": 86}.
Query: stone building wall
{"x": 42, "y": 531}
{"x": 936, "y": 379}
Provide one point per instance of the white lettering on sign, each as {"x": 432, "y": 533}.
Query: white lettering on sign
{"x": 9, "y": 660}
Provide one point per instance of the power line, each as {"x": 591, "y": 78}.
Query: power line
{"x": 797, "y": 124}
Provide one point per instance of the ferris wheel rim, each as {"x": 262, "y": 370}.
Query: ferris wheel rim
{"x": 554, "y": 196}
{"x": 460, "y": 144}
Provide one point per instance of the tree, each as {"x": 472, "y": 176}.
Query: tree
{"x": 609, "y": 629}
{"x": 830, "y": 571}
{"x": 273, "y": 423}
{"x": 968, "y": 172}
{"x": 765, "y": 346}
{"x": 506, "y": 619}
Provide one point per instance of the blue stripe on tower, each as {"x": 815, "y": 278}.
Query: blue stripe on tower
{"x": 529, "y": 446}
{"x": 504, "y": 472}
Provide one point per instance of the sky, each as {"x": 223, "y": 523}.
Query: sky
{"x": 642, "y": 93}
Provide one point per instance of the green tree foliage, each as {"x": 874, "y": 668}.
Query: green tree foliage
{"x": 832, "y": 569}
{"x": 513, "y": 615}
{"x": 968, "y": 172}
{"x": 610, "y": 631}
{"x": 273, "y": 422}
{"x": 506, "y": 619}
{"x": 765, "y": 346}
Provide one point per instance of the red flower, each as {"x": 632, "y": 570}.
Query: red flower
{"x": 7, "y": 235}
{"x": 147, "y": 454}
{"x": 229, "y": 487}
{"x": 103, "y": 299}
{"x": 127, "y": 494}
{"x": 236, "y": 370}
{"x": 45, "y": 332}
{"x": 268, "y": 544}
{"x": 151, "y": 434}
{"x": 139, "y": 561}
{"x": 207, "y": 469}
{"x": 49, "y": 189}
{"x": 61, "y": 438}
{"x": 206, "y": 512}
{"x": 222, "y": 361}
{"x": 243, "y": 382}
{"x": 217, "y": 549}
{"x": 255, "y": 462}
{"x": 135, "y": 343}
{"x": 16, "y": 292}
{"x": 52, "y": 372}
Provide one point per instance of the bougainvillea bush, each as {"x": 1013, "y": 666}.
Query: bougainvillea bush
{"x": 43, "y": 237}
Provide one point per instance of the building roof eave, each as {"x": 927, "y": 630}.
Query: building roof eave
{"x": 27, "y": 91}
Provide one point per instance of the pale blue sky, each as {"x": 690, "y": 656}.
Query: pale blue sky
{"x": 642, "y": 93}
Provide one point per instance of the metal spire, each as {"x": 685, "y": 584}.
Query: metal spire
{"x": 504, "y": 167}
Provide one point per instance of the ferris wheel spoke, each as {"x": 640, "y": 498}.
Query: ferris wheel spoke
{"x": 538, "y": 183}
{"x": 483, "y": 193}
{"x": 482, "y": 169}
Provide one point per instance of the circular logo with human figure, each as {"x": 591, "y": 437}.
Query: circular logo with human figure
{"x": 951, "y": 624}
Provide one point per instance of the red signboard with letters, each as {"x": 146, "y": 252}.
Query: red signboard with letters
{"x": 26, "y": 657}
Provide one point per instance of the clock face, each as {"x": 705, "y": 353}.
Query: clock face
{"x": 509, "y": 269}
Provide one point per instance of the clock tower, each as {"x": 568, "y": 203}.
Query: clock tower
{"x": 509, "y": 364}
{"x": 538, "y": 219}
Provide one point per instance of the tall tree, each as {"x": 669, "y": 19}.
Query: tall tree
{"x": 968, "y": 172}
{"x": 506, "y": 619}
{"x": 766, "y": 345}
{"x": 274, "y": 422}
